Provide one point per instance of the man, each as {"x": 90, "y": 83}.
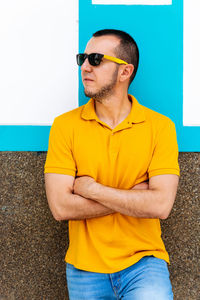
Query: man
{"x": 112, "y": 171}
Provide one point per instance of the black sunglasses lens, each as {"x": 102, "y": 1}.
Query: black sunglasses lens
{"x": 95, "y": 59}
{"x": 80, "y": 58}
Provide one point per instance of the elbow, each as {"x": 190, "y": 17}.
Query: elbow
{"x": 158, "y": 214}
{"x": 162, "y": 208}
{"x": 60, "y": 208}
{"x": 57, "y": 216}
{"x": 164, "y": 216}
{"x": 164, "y": 212}
{"x": 60, "y": 215}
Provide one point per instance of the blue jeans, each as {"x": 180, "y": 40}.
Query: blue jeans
{"x": 148, "y": 279}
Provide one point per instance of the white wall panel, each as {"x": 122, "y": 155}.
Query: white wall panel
{"x": 38, "y": 73}
{"x": 191, "y": 66}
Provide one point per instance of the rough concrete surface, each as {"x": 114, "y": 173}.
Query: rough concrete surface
{"x": 33, "y": 244}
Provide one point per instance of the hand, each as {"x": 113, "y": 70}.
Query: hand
{"x": 84, "y": 186}
{"x": 141, "y": 186}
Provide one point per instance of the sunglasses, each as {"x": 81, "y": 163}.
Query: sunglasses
{"x": 96, "y": 58}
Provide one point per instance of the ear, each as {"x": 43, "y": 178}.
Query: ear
{"x": 125, "y": 72}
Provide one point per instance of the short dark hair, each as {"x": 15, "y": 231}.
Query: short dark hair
{"x": 127, "y": 49}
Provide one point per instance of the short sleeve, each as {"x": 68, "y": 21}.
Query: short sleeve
{"x": 59, "y": 156}
{"x": 165, "y": 155}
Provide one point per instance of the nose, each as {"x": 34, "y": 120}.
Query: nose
{"x": 86, "y": 67}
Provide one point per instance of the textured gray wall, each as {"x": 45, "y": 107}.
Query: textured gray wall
{"x": 33, "y": 244}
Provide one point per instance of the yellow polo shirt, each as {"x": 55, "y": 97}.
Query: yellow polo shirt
{"x": 142, "y": 146}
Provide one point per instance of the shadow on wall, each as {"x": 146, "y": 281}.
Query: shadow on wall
{"x": 33, "y": 244}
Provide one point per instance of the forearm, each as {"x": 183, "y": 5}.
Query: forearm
{"x": 75, "y": 207}
{"x": 65, "y": 204}
{"x": 135, "y": 203}
{"x": 152, "y": 200}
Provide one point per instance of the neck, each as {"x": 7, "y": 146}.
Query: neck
{"x": 113, "y": 109}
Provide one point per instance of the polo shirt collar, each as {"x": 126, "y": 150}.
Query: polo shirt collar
{"x": 88, "y": 112}
{"x": 136, "y": 115}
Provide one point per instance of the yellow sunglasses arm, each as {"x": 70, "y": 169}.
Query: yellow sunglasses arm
{"x": 115, "y": 59}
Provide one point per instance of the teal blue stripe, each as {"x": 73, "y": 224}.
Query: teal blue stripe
{"x": 24, "y": 138}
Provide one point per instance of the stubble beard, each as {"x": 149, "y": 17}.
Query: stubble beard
{"x": 105, "y": 91}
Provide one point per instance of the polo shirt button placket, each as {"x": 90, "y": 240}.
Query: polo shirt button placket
{"x": 113, "y": 150}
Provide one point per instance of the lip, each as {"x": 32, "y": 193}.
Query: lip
{"x": 87, "y": 79}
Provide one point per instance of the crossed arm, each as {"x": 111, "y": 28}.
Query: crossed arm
{"x": 83, "y": 198}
